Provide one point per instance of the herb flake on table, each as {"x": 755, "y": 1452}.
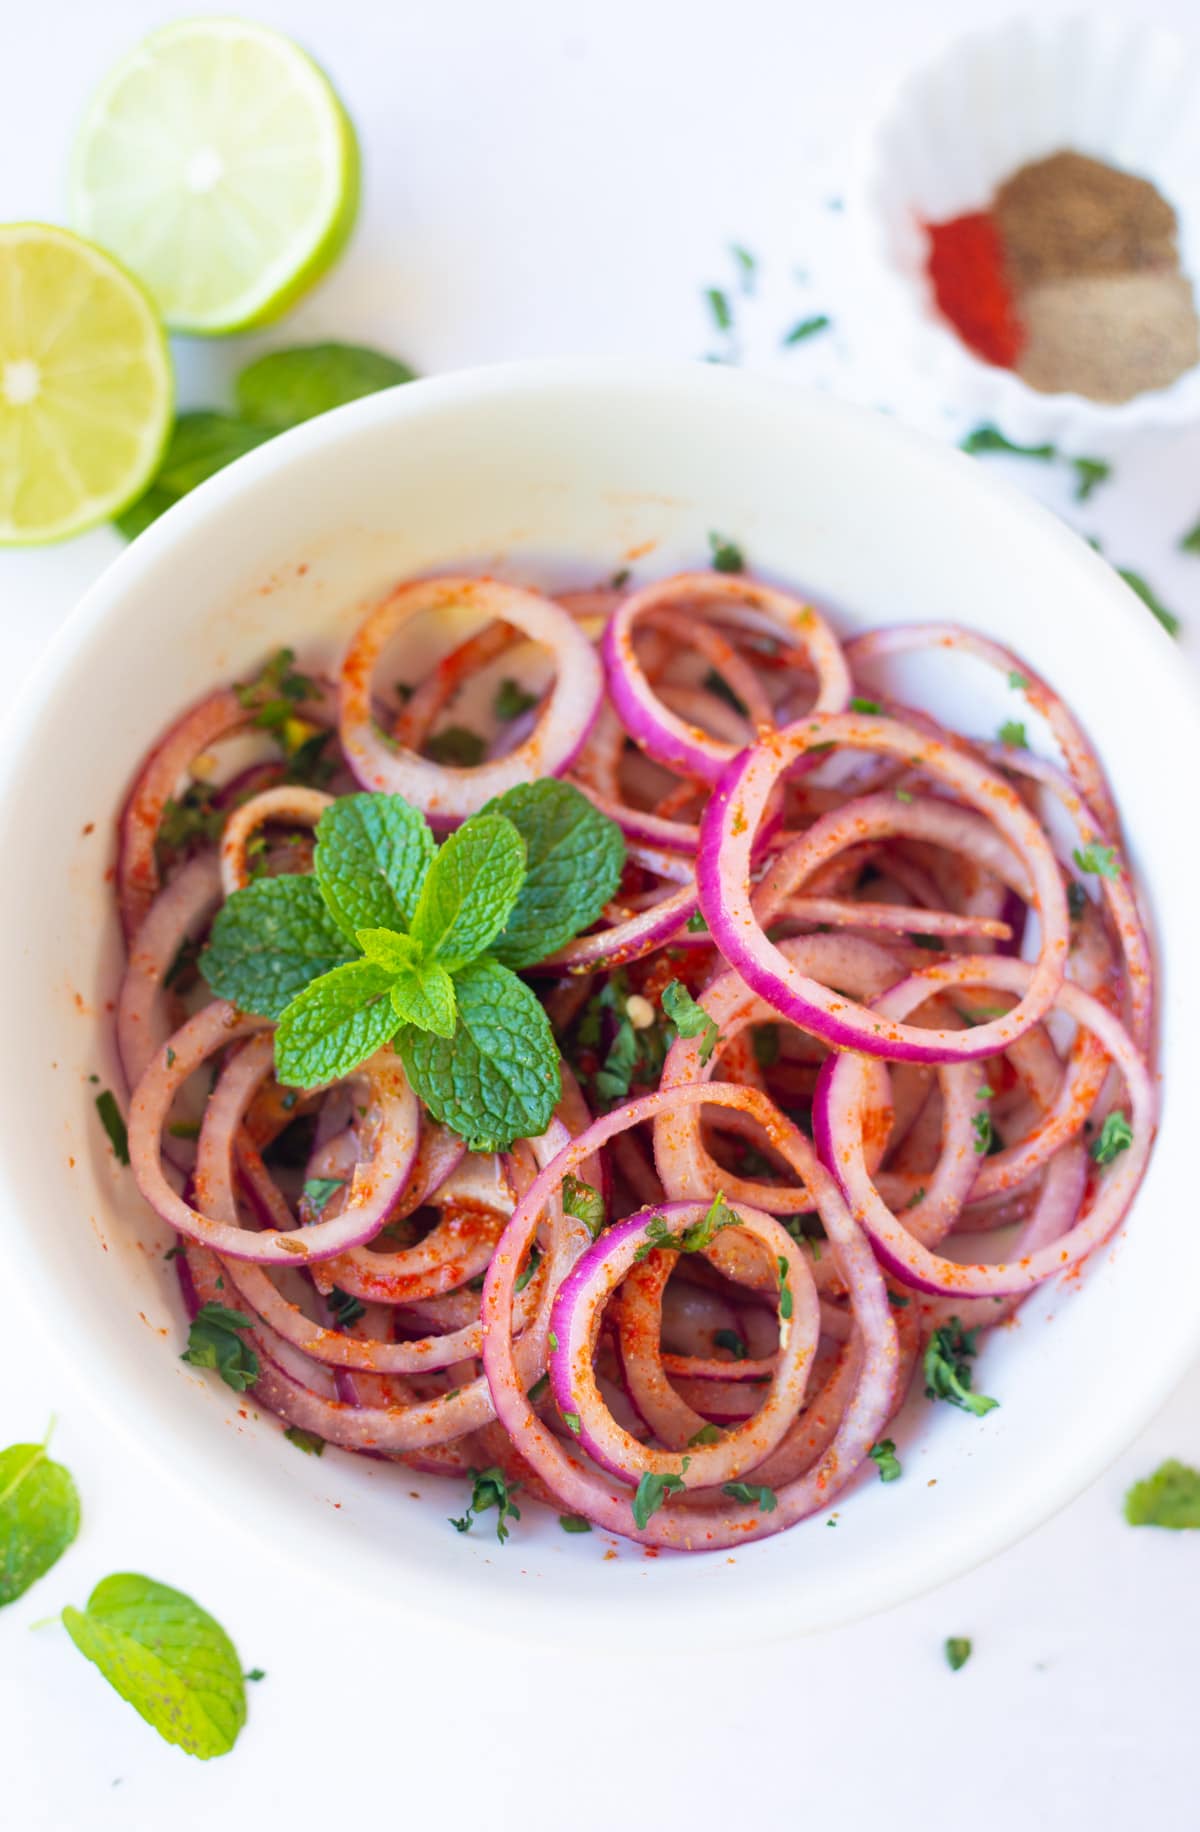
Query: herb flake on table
{"x": 957, "y": 1650}
{"x": 1168, "y": 1498}
{"x": 806, "y": 328}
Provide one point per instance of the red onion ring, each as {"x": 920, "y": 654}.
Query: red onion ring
{"x": 447, "y": 795}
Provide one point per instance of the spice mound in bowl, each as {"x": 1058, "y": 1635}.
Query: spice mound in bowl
{"x": 1071, "y": 278}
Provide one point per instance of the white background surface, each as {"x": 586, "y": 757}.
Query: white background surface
{"x": 550, "y": 176}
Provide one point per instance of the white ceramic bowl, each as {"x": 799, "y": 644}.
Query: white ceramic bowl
{"x": 558, "y": 474}
{"x": 955, "y": 127}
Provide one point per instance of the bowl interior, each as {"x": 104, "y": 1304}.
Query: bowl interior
{"x": 559, "y": 475}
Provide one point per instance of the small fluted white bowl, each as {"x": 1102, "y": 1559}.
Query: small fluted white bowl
{"x": 952, "y": 130}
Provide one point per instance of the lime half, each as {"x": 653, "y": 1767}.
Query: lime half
{"x": 85, "y": 386}
{"x": 218, "y": 163}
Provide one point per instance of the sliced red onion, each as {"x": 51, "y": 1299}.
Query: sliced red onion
{"x": 727, "y": 840}
{"x": 1082, "y": 761}
{"x": 899, "y": 1251}
{"x": 390, "y": 1125}
{"x": 177, "y": 914}
{"x": 661, "y": 733}
{"x": 447, "y": 795}
{"x": 289, "y": 802}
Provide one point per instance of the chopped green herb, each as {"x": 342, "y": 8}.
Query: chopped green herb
{"x": 727, "y": 556}
{"x": 717, "y": 684}
{"x": 551, "y": 1341}
{"x": 707, "y": 1434}
{"x": 1017, "y": 681}
{"x": 584, "y": 1203}
{"x": 1090, "y": 473}
{"x": 981, "y": 1126}
{"x": 958, "y": 1652}
{"x": 255, "y": 1674}
{"x": 867, "y": 706}
{"x": 114, "y": 1125}
{"x": 696, "y": 924}
{"x": 178, "y": 1251}
{"x": 947, "y": 1366}
{"x": 731, "y": 1340}
{"x": 1101, "y": 860}
{"x": 573, "y": 1422}
{"x": 456, "y": 746}
{"x": 275, "y": 693}
{"x": 527, "y": 1271}
{"x": 1116, "y": 1136}
{"x": 747, "y": 266}
{"x": 307, "y": 1441}
{"x": 917, "y": 1197}
{"x": 718, "y": 304}
{"x": 1168, "y": 1498}
{"x": 897, "y": 1302}
{"x": 1012, "y": 733}
{"x": 345, "y": 1307}
{"x": 1150, "y": 599}
{"x": 512, "y": 700}
{"x": 689, "y": 1018}
{"x": 539, "y": 1389}
{"x": 807, "y": 327}
{"x": 904, "y": 795}
{"x": 765, "y": 1043}
{"x": 1190, "y": 543}
{"x": 215, "y": 1341}
{"x": 785, "y": 1291}
{"x": 883, "y": 1455}
{"x": 320, "y": 1190}
{"x": 184, "y": 1129}
{"x": 1077, "y": 900}
{"x": 490, "y": 1489}
{"x": 693, "y": 1239}
{"x": 991, "y": 439}
{"x": 763, "y": 1498}
{"x": 652, "y": 1490}
{"x": 574, "y": 1523}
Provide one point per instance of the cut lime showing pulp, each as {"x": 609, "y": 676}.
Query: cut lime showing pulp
{"x": 218, "y": 163}
{"x": 85, "y": 386}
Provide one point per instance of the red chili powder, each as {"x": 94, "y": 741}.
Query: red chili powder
{"x": 966, "y": 266}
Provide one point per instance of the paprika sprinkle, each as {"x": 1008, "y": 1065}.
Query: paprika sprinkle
{"x": 967, "y": 269}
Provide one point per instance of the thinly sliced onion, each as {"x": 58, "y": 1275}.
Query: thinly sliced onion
{"x": 390, "y": 1125}
{"x": 445, "y": 794}
{"x": 727, "y": 841}
{"x": 177, "y": 915}
{"x": 661, "y": 733}
{"x": 289, "y": 802}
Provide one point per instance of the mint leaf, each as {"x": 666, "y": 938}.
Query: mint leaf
{"x": 574, "y": 856}
{"x": 469, "y": 890}
{"x": 269, "y": 942}
{"x": 334, "y": 1024}
{"x": 290, "y": 386}
{"x": 39, "y": 1517}
{"x": 371, "y": 857}
{"x": 167, "y": 1658}
{"x": 424, "y": 996}
{"x": 389, "y": 950}
{"x": 215, "y": 1341}
{"x": 498, "y": 1078}
{"x": 201, "y": 444}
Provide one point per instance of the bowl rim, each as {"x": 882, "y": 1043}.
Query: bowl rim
{"x": 537, "y": 1617}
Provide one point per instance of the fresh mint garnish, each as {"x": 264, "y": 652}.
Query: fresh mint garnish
{"x": 690, "y": 1019}
{"x": 270, "y": 941}
{"x": 498, "y": 1078}
{"x": 393, "y": 939}
{"x": 167, "y": 1658}
{"x": 290, "y": 386}
{"x": 574, "y": 857}
{"x": 39, "y": 1516}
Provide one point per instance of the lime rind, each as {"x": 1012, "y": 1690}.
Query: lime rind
{"x": 238, "y": 251}
{"x": 93, "y": 401}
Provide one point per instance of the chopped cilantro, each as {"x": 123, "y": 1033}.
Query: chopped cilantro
{"x": 727, "y": 557}
{"x": 114, "y": 1124}
{"x": 947, "y": 1366}
{"x": 1116, "y": 1136}
{"x": 786, "y": 1305}
{"x": 1012, "y": 733}
{"x": 883, "y": 1455}
{"x": 512, "y": 700}
{"x": 584, "y": 1203}
{"x": 958, "y": 1652}
{"x": 867, "y": 706}
{"x": 755, "y": 1497}
{"x": 1101, "y": 860}
{"x": 806, "y": 328}
{"x": 491, "y": 1489}
{"x": 653, "y": 1489}
{"x": 574, "y": 1523}
{"x": 718, "y": 304}
{"x": 457, "y": 747}
{"x": 731, "y": 1340}
{"x": 307, "y": 1441}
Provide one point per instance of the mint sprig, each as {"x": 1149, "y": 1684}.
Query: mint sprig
{"x": 394, "y": 939}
